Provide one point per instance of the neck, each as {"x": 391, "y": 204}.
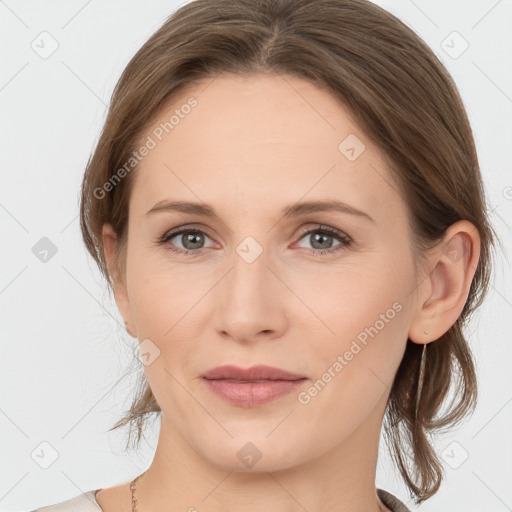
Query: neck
{"x": 341, "y": 479}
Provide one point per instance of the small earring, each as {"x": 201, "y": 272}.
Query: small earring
{"x": 420, "y": 379}
{"x": 426, "y": 332}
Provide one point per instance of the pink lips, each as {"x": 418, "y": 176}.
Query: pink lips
{"x": 259, "y": 372}
{"x": 252, "y": 386}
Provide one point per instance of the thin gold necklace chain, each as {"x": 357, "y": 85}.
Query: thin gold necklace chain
{"x": 134, "y": 499}
{"x": 132, "y": 488}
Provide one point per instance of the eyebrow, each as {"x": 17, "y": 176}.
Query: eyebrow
{"x": 289, "y": 211}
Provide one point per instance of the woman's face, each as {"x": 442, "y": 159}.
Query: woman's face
{"x": 258, "y": 280}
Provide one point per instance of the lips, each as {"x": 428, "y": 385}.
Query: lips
{"x": 253, "y": 386}
{"x": 252, "y": 374}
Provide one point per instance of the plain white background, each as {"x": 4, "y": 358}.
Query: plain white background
{"x": 64, "y": 351}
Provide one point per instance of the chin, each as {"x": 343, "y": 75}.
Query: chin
{"x": 254, "y": 454}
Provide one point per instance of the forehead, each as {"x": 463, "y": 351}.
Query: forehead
{"x": 261, "y": 136}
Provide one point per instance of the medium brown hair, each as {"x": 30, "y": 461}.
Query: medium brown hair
{"x": 406, "y": 103}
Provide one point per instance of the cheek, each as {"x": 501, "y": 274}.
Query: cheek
{"x": 168, "y": 309}
{"x": 357, "y": 356}
{"x": 360, "y": 314}
{"x": 162, "y": 296}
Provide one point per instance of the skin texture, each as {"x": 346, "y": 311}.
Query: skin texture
{"x": 251, "y": 147}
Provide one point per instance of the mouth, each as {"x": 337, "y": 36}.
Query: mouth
{"x": 248, "y": 381}
{"x": 253, "y": 374}
{"x": 253, "y": 386}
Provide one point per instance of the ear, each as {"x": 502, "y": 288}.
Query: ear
{"x": 444, "y": 291}
{"x": 119, "y": 280}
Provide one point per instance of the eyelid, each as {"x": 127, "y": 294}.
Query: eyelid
{"x": 306, "y": 230}
{"x": 179, "y": 230}
{"x": 344, "y": 239}
{"x": 328, "y": 229}
{"x": 186, "y": 227}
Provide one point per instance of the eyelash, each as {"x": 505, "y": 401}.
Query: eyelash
{"x": 345, "y": 240}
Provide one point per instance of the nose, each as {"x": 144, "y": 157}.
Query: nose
{"x": 251, "y": 305}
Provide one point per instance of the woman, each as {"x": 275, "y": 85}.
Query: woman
{"x": 287, "y": 203}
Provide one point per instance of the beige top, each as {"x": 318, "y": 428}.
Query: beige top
{"x": 87, "y": 503}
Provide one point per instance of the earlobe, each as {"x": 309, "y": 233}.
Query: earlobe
{"x": 447, "y": 285}
{"x": 109, "y": 238}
